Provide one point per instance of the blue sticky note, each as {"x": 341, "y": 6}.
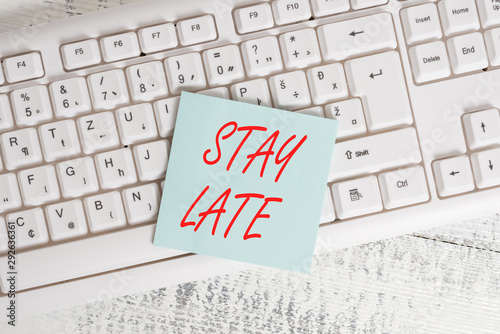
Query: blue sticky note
{"x": 245, "y": 182}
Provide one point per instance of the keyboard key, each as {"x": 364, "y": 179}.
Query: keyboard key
{"x": 142, "y": 203}
{"x": 77, "y": 177}
{"x": 371, "y": 154}
{"x": 115, "y": 168}
{"x": 185, "y": 73}
{"x": 158, "y": 38}
{"x": 147, "y": 81}
{"x": 166, "y": 114}
{"x": 81, "y": 54}
{"x": 327, "y": 211}
{"x": 349, "y": 114}
{"x": 21, "y": 148}
{"x": 136, "y": 123}
{"x": 403, "y": 187}
{"x": 253, "y": 18}
{"x": 66, "y": 220}
{"x": 151, "y": 160}
{"x": 105, "y": 212}
{"x": 357, "y": 37}
{"x": 324, "y": 8}
{"x": 108, "y": 90}
{"x": 70, "y": 97}
{"x": 290, "y": 11}
{"x": 2, "y": 79}
{"x": 290, "y": 91}
{"x": 327, "y": 83}
{"x": 482, "y": 128}
{"x": 10, "y": 198}
{"x": 120, "y": 47}
{"x": 458, "y": 16}
{"x": 467, "y": 53}
{"x": 300, "y": 49}
{"x": 371, "y": 78}
{"x": 453, "y": 176}
{"x": 261, "y": 56}
{"x": 421, "y": 23}
{"x": 489, "y": 11}
{"x": 59, "y": 140}
{"x": 429, "y": 62}
{"x": 486, "y": 166}
{"x": 197, "y": 30}
{"x": 357, "y": 197}
{"x": 223, "y": 65}
{"x": 98, "y": 132}
{"x": 254, "y": 91}
{"x": 39, "y": 185}
{"x": 23, "y": 67}
{"x": 492, "y": 40}
{"x": 6, "y": 121}
{"x": 31, "y": 105}
{"x": 30, "y": 228}
{"x": 220, "y": 92}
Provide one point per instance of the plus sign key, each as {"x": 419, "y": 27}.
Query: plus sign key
{"x": 300, "y": 49}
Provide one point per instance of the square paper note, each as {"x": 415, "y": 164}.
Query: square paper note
{"x": 245, "y": 182}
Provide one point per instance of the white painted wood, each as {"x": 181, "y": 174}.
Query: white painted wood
{"x": 445, "y": 280}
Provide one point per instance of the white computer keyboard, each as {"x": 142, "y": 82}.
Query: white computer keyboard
{"x": 88, "y": 107}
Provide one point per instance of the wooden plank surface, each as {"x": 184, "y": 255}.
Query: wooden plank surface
{"x": 445, "y": 280}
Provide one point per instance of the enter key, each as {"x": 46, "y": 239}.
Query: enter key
{"x": 378, "y": 80}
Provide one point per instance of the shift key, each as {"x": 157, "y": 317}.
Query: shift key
{"x": 374, "y": 153}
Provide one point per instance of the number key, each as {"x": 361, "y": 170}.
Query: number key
{"x": 31, "y": 105}
{"x": 147, "y": 81}
{"x": 224, "y": 65}
{"x": 185, "y": 72}
{"x": 108, "y": 90}
{"x": 70, "y": 97}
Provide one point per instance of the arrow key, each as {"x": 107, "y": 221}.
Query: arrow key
{"x": 486, "y": 166}
{"x": 453, "y": 176}
{"x": 482, "y": 128}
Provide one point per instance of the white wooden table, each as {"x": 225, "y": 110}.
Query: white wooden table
{"x": 439, "y": 281}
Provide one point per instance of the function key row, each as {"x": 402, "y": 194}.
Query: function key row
{"x": 127, "y": 45}
{"x": 264, "y": 15}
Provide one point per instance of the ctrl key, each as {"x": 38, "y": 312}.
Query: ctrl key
{"x": 403, "y": 187}
{"x": 357, "y": 197}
